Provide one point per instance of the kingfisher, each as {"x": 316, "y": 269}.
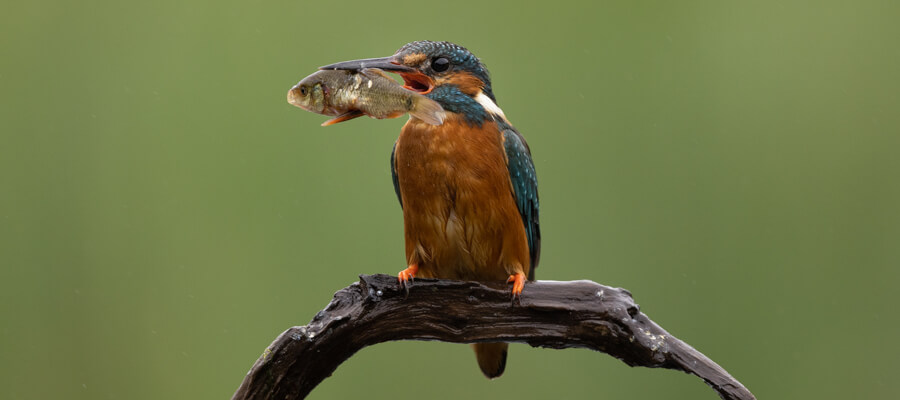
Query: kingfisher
{"x": 467, "y": 187}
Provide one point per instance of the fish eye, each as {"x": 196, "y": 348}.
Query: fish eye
{"x": 440, "y": 64}
{"x": 303, "y": 90}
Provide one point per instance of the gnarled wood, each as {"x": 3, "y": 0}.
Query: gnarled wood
{"x": 549, "y": 314}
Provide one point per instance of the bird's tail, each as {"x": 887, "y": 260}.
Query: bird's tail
{"x": 428, "y": 111}
{"x": 491, "y": 358}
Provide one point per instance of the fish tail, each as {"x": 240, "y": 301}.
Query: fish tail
{"x": 428, "y": 110}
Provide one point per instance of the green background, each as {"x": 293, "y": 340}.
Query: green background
{"x": 164, "y": 213}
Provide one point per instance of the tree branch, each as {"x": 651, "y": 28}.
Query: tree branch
{"x": 549, "y": 314}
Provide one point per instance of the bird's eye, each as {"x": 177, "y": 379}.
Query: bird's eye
{"x": 303, "y": 90}
{"x": 440, "y": 64}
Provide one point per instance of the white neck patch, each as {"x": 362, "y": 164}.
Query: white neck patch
{"x": 489, "y": 105}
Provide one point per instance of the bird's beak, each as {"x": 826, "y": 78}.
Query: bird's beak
{"x": 412, "y": 78}
{"x": 385, "y": 63}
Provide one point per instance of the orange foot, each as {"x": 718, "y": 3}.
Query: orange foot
{"x": 407, "y": 275}
{"x": 518, "y": 281}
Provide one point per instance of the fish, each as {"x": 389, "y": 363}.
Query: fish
{"x": 370, "y": 91}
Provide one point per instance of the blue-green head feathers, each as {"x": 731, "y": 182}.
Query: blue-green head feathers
{"x": 460, "y": 60}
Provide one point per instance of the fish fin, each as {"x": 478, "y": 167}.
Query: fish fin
{"x": 344, "y": 117}
{"x": 397, "y": 114}
{"x": 376, "y": 71}
{"x": 428, "y": 111}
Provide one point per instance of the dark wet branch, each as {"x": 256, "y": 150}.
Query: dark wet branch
{"x": 550, "y": 314}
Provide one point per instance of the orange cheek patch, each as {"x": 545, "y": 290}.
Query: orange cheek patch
{"x": 466, "y": 82}
{"x": 413, "y": 59}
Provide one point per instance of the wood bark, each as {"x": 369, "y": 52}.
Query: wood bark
{"x": 549, "y": 314}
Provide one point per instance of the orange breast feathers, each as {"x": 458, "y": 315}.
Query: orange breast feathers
{"x": 459, "y": 210}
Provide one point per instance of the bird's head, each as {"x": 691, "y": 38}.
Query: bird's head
{"x": 443, "y": 71}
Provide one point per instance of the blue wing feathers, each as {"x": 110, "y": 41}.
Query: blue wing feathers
{"x": 394, "y": 177}
{"x": 524, "y": 183}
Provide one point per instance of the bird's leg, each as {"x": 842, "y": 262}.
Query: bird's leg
{"x": 518, "y": 281}
{"x": 407, "y": 275}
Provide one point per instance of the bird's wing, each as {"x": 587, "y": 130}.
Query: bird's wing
{"x": 524, "y": 183}
{"x": 394, "y": 177}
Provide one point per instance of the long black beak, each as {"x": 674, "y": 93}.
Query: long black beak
{"x": 385, "y": 63}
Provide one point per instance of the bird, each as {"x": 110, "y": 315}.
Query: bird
{"x": 467, "y": 187}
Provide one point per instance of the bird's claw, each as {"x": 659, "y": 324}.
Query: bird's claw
{"x": 518, "y": 281}
{"x": 406, "y": 277}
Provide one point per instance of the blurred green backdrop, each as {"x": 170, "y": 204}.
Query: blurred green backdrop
{"x": 165, "y": 213}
